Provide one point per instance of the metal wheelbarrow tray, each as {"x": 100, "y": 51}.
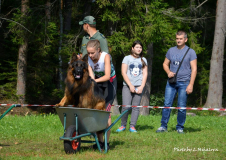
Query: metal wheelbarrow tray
{"x": 81, "y": 122}
{"x": 89, "y": 120}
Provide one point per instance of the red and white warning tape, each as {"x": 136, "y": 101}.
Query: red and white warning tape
{"x": 187, "y": 108}
{"x": 25, "y": 105}
{"x": 32, "y": 105}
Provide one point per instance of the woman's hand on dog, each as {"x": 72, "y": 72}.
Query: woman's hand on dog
{"x": 79, "y": 56}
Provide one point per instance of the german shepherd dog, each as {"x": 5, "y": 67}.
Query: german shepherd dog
{"x": 80, "y": 90}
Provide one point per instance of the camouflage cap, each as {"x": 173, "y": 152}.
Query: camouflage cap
{"x": 88, "y": 19}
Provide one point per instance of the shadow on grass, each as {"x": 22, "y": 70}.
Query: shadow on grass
{"x": 4, "y": 145}
{"x": 116, "y": 143}
{"x": 190, "y": 129}
{"x": 187, "y": 129}
{"x": 144, "y": 127}
{"x": 112, "y": 146}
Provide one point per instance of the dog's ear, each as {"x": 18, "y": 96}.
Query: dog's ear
{"x": 85, "y": 58}
{"x": 74, "y": 57}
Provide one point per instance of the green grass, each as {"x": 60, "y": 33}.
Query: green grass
{"x": 37, "y": 137}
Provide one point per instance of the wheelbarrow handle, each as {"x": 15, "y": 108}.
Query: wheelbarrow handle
{"x": 10, "y": 108}
{"x": 107, "y": 129}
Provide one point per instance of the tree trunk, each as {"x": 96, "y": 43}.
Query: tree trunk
{"x": 145, "y": 101}
{"x": 67, "y": 10}
{"x": 60, "y": 44}
{"x": 111, "y": 29}
{"x": 22, "y": 58}
{"x": 48, "y": 16}
{"x": 87, "y": 10}
{"x": 115, "y": 109}
{"x": 47, "y": 9}
{"x": 67, "y": 15}
{"x": 200, "y": 101}
{"x": 214, "y": 98}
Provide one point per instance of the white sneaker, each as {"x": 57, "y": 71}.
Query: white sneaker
{"x": 180, "y": 131}
{"x": 161, "y": 129}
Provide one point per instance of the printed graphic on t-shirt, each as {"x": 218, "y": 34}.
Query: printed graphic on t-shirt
{"x": 99, "y": 74}
{"x": 176, "y": 61}
{"x": 96, "y": 67}
{"x": 97, "y": 71}
{"x": 135, "y": 69}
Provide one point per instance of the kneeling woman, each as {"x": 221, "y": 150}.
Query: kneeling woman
{"x": 101, "y": 65}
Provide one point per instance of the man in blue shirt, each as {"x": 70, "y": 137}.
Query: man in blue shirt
{"x": 185, "y": 80}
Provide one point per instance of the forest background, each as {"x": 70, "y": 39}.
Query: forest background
{"x": 37, "y": 39}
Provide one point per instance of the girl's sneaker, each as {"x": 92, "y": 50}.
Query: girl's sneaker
{"x": 120, "y": 129}
{"x": 132, "y": 129}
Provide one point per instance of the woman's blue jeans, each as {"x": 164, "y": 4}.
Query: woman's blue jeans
{"x": 170, "y": 93}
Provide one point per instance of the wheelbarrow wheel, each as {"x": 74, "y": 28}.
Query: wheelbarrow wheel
{"x": 71, "y": 147}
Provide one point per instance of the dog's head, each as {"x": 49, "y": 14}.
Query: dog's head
{"x": 78, "y": 66}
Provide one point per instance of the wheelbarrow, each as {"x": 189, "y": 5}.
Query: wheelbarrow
{"x": 9, "y": 109}
{"x": 81, "y": 122}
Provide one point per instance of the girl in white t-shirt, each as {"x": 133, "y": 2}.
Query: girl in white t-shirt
{"x": 134, "y": 71}
{"x": 101, "y": 65}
